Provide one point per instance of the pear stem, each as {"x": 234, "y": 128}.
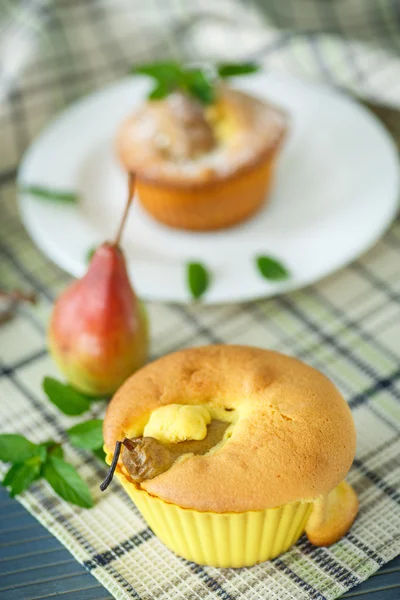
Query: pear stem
{"x": 113, "y": 466}
{"x": 131, "y": 193}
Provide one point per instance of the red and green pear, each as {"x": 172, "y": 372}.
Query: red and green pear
{"x": 98, "y": 333}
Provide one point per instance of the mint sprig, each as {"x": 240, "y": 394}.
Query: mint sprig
{"x": 197, "y": 82}
{"x": 34, "y": 461}
{"x": 87, "y": 435}
{"x": 30, "y": 461}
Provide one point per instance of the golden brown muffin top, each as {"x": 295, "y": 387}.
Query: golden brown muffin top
{"x": 178, "y": 140}
{"x": 292, "y": 436}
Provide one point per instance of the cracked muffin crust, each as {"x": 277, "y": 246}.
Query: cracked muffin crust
{"x": 290, "y": 437}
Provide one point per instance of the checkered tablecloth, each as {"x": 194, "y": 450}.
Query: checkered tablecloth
{"x": 348, "y": 325}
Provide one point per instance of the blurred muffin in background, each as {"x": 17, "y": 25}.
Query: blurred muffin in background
{"x": 202, "y": 166}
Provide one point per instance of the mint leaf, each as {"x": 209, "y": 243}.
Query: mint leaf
{"x": 41, "y": 453}
{"x": 87, "y": 435}
{"x": 48, "y": 194}
{"x": 198, "y": 279}
{"x": 271, "y": 269}
{"x": 20, "y": 476}
{"x": 16, "y": 448}
{"x": 57, "y": 451}
{"x": 67, "y": 483}
{"x": 167, "y": 76}
{"x": 170, "y": 76}
{"x": 101, "y": 455}
{"x": 232, "y": 69}
{"x": 159, "y": 91}
{"x": 52, "y": 449}
{"x": 11, "y": 473}
{"x": 199, "y": 86}
{"x": 68, "y": 400}
{"x": 162, "y": 72}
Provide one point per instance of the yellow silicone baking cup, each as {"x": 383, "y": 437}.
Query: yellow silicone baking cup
{"x": 221, "y": 539}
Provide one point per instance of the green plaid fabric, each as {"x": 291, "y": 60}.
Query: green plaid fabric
{"x": 348, "y": 325}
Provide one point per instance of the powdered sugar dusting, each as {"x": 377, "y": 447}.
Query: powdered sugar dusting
{"x": 171, "y": 140}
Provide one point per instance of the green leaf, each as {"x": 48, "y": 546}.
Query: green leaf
{"x": 48, "y": 194}
{"x": 53, "y": 449}
{"x": 87, "y": 435}
{"x": 232, "y": 69}
{"x": 271, "y": 269}
{"x": 198, "y": 279}
{"x": 16, "y": 448}
{"x": 20, "y": 476}
{"x": 166, "y": 72}
{"x": 67, "y": 483}
{"x": 57, "y": 451}
{"x": 170, "y": 76}
{"x": 41, "y": 453}
{"x": 161, "y": 90}
{"x": 167, "y": 76}
{"x": 11, "y": 473}
{"x": 68, "y": 400}
{"x": 99, "y": 452}
{"x": 199, "y": 86}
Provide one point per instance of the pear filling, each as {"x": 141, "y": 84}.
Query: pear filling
{"x": 146, "y": 457}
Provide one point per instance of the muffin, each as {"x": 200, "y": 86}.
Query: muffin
{"x": 231, "y": 452}
{"x": 202, "y": 167}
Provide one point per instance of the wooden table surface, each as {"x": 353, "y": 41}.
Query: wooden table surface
{"x": 35, "y": 565}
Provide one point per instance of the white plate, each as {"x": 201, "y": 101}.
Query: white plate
{"x": 335, "y": 192}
